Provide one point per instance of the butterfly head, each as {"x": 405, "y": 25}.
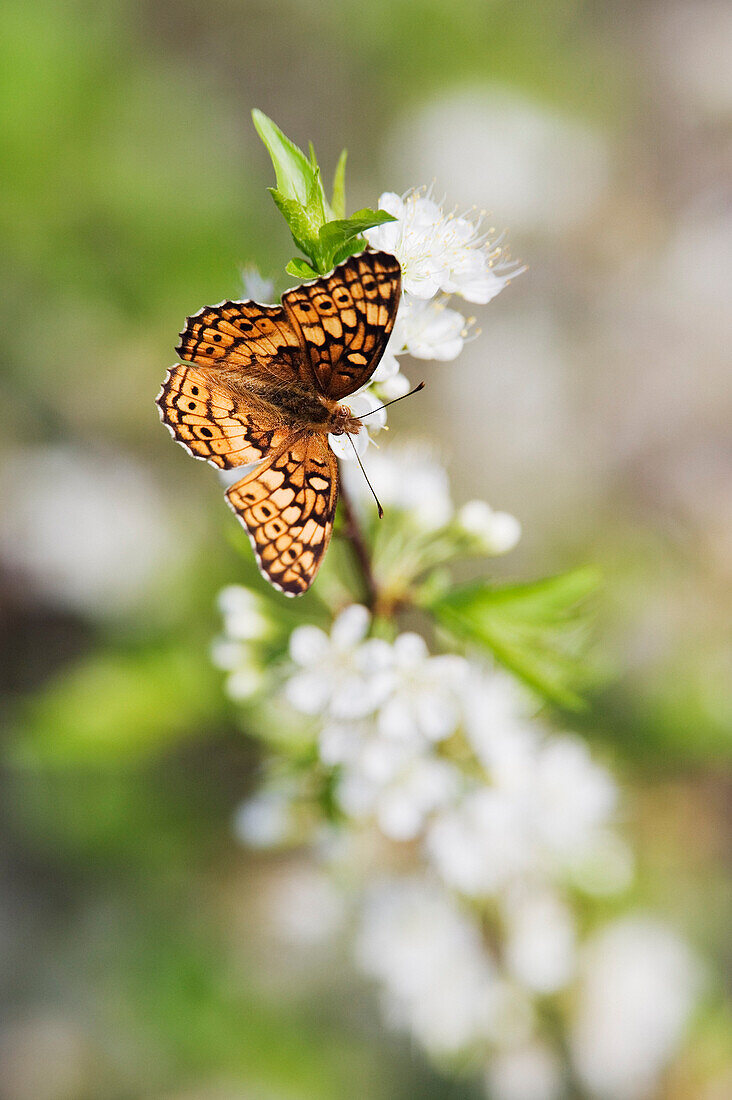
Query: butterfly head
{"x": 344, "y": 422}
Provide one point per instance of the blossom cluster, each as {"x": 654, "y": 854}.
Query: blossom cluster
{"x": 441, "y": 254}
{"x": 478, "y": 840}
{"x": 476, "y": 843}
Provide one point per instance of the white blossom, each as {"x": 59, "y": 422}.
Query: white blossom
{"x": 483, "y": 843}
{"x": 342, "y": 674}
{"x": 425, "y": 700}
{"x": 540, "y": 810}
{"x": 527, "y": 1072}
{"x": 540, "y": 938}
{"x": 573, "y": 795}
{"x": 397, "y": 787}
{"x": 638, "y": 986}
{"x": 424, "y": 330}
{"x": 246, "y": 623}
{"x": 245, "y": 614}
{"x": 438, "y": 981}
{"x": 246, "y": 675}
{"x": 497, "y": 532}
{"x": 439, "y": 251}
{"x": 265, "y": 820}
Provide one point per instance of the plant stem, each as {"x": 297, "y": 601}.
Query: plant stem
{"x": 352, "y": 531}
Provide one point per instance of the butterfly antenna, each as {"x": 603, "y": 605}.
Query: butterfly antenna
{"x": 388, "y": 403}
{"x": 358, "y": 459}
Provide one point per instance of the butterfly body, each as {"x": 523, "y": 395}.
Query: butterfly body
{"x": 265, "y": 384}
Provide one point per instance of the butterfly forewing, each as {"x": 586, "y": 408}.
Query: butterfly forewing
{"x": 213, "y": 423}
{"x": 248, "y": 338}
{"x": 287, "y": 506}
{"x": 346, "y": 320}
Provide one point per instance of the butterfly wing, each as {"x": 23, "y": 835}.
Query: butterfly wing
{"x": 345, "y": 320}
{"x": 247, "y": 341}
{"x": 287, "y": 505}
{"x": 214, "y": 423}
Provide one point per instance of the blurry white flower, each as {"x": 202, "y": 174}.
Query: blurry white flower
{"x": 497, "y": 532}
{"x": 265, "y": 820}
{"x": 639, "y": 982}
{"x": 542, "y": 808}
{"x": 86, "y": 530}
{"x": 255, "y": 285}
{"x": 340, "y": 674}
{"x": 304, "y": 906}
{"x": 572, "y": 795}
{"x": 425, "y": 700}
{"x": 438, "y": 251}
{"x": 343, "y": 446}
{"x": 483, "y": 843}
{"x": 408, "y": 478}
{"x": 530, "y": 1072}
{"x": 500, "y": 726}
{"x": 540, "y": 939}
{"x": 396, "y": 786}
{"x": 246, "y": 675}
{"x": 533, "y": 165}
{"x": 438, "y": 980}
{"x": 246, "y": 622}
{"x": 245, "y": 614}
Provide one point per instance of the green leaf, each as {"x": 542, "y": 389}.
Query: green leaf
{"x": 301, "y": 269}
{"x": 293, "y": 169}
{"x": 537, "y": 630}
{"x": 350, "y": 248}
{"x": 338, "y": 202}
{"x": 316, "y": 201}
{"x": 303, "y": 227}
{"x": 334, "y": 235}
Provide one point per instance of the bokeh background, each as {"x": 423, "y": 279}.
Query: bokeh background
{"x": 135, "y": 960}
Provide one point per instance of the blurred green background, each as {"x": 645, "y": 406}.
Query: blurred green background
{"x": 134, "y": 962}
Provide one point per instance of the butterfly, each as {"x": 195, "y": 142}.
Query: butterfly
{"x": 264, "y": 384}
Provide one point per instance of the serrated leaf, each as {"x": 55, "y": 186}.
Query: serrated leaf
{"x": 537, "y": 630}
{"x": 301, "y": 269}
{"x": 350, "y": 248}
{"x": 316, "y": 201}
{"x": 293, "y": 169}
{"x": 338, "y": 202}
{"x": 303, "y": 229}
{"x": 334, "y": 235}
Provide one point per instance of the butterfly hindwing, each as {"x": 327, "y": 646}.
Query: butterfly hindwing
{"x": 212, "y": 423}
{"x": 287, "y": 506}
{"x": 345, "y": 320}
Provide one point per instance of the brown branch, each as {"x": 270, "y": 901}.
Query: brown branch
{"x": 352, "y": 532}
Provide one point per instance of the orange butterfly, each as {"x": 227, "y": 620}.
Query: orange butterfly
{"x": 266, "y": 387}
